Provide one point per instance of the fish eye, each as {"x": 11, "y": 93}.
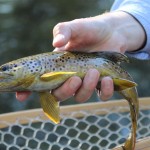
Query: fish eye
{"x": 4, "y": 68}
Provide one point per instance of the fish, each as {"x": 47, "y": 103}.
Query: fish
{"x": 45, "y": 72}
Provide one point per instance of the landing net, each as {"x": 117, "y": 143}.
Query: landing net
{"x": 94, "y": 126}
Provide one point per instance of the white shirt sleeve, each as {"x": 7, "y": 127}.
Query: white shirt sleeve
{"x": 140, "y": 10}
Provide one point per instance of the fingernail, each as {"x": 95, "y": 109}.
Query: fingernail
{"x": 58, "y": 38}
{"x": 60, "y": 49}
{"x": 56, "y": 50}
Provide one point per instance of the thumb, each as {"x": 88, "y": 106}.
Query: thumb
{"x": 61, "y": 34}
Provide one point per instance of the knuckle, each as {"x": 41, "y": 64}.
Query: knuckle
{"x": 89, "y": 87}
{"x": 61, "y": 94}
{"x": 83, "y": 94}
{"x": 81, "y": 98}
{"x": 106, "y": 93}
{"x": 58, "y": 27}
{"x": 104, "y": 97}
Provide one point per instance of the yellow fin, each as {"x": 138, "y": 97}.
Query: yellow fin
{"x": 122, "y": 84}
{"x": 50, "y": 106}
{"x": 56, "y": 75}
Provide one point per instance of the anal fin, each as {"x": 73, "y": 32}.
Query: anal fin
{"x": 50, "y": 106}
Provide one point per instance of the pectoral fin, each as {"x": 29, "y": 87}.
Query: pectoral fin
{"x": 56, "y": 75}
{"x": 50, "y": 106}
{"x": 122, "y": 84}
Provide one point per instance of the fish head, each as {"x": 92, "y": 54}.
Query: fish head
{"x": 15, "y": 75}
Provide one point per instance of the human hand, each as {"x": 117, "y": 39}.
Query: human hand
{"x": 87, "y": 35}
{"x": 83, "y": 34}
{"x": 112, "y": 31}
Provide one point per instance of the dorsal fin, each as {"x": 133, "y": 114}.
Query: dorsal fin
{"x": 113, "y": 56}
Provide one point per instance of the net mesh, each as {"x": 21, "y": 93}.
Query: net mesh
{"x": 96, "y": 129}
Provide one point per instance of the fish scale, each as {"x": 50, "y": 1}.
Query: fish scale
{"x": 45, "y": 72}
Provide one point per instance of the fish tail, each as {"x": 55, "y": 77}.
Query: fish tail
{"x": 131, "y": 96}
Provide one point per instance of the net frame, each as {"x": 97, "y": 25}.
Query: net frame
{"x": 76, "y": 113}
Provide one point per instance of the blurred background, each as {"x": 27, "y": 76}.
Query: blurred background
{"x": 26, "y": 28}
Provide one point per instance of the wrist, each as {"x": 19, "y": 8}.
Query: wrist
{"x": 127, "y": 28}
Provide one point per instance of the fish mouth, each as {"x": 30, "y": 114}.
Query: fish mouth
{"x": 7, "y": 82}
{"x": 5, "y": 75}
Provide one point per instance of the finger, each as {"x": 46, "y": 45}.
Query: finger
{"x": 89, "y": 84}
{"x": 68, "y": 88}
{"x": 59, "y": 49}
{"x": 21, "y": 96}
{"x": 107, "y": 88}
{"x": 62, "y": 34}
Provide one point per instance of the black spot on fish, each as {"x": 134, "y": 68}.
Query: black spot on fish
{"x": 4, "y": 68}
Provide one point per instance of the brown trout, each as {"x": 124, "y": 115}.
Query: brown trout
{"x": 44, "y": 72}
